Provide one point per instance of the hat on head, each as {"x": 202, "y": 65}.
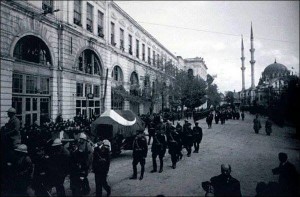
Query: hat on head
{"x": 185, "y": 120}
{"x": 82, "y": 136}
{"x": 21, "y": 148}
{"x": 56, "y": 142}
{"x": 12, "y": 110}
{"x": 196, "y": 123}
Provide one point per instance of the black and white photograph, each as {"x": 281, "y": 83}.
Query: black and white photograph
{"x": 149, "y": 98}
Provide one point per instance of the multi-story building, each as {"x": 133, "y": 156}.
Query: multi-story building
{"x": 70, "y": 57}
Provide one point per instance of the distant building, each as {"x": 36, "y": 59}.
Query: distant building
{"x": 69, "y": 57}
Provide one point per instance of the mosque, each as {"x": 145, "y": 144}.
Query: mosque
{"x": 272, "y": 81}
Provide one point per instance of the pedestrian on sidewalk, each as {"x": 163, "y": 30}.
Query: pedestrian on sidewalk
{"x": 139, "y": 153}
{"x": 256, "y": 124}
{"x": 268, "y": 126}
{"x": 243, "y": 115}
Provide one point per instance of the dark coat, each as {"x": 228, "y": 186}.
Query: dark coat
{"x": 288, "y": 178}
{"x": 159, "y": 144}
{"x": 12, "y": 130}
{"x": 224, "y": 186}
{"x": 140, "y": 147}
{"x": 101, "y": 160}
{"x": 197, "y": 134}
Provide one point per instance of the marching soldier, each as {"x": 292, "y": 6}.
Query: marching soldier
{"x": 58, "y": 165}
{"x": 158, "y": 148}
{"x": 101, "y": 163}
{"x": 188, "y": 139}
{"x": 151, "y": 131}
{"x": 173, "y": 141}
{"x": 140, "y": 150}
{"x": 22, "y": 171}
{"x": 197, "y": 135}
{"x": 180, "y": 139}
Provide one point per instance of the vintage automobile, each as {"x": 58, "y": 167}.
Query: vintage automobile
{"x": 119, "y": 127}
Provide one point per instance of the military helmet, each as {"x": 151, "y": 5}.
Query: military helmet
{"x": 11, "y": 110}
{"x": 82, "y": 136}
{"x": 21, "y": 148}
{"x": 56, "y": 142}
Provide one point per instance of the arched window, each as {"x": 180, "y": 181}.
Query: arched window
{"x": 32, "y": 49}
{"x": 134, "y": 79}
{"x": 190, "y": 72}
{"x": 117, "y": 74}
{"x": 89, "y": 63}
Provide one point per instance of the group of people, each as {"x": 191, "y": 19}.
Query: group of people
{"x": 165, "y": 136}
{"x": 257, "y": 125}
{"x": 37, "y": 158}
{"x": 41, "y": 157}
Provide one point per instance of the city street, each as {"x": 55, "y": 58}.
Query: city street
{"x": 251, "y": 156}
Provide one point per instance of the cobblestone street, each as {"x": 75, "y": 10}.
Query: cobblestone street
{"x": 252, "y": 156}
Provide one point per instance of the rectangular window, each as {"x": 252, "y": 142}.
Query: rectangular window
{"x": 89, "y": 17}
{"x": 143, "y": 52}
{"x": 137, "y": 49}
{"x": 47, "y": 6}
{"x": 149, "y": 59}
{"x": 79, "y": 89}
{"x": 44, "y": 83}
{"x": 77, "y": 12}
{"x": 112, "y": 34}
{"x": 130, "y": 44}
{"x": 153, "y": 54}
{"x": 88, "y": 89}
{"x": 158, "y": 63}
{"x": 121, "y": 39}
{"x": 100, "y": 24}
{"x": 31, "y": 84}
{"x": 17, "y": 86}
{"x": 96, "y": 91}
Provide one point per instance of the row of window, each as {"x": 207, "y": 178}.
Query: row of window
{"x": 83, "y": 89}
{"x": 156, "y": 60}
{"x": 30, "y": 84}
{"x": 89, "y": 17}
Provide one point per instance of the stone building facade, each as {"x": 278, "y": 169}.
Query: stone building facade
{"x": 70, "y": 57}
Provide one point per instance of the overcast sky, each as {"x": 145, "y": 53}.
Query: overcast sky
{"x": 275, "y": 29}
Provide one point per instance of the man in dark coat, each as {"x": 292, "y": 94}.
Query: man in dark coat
{"x": 139, "y": 154}
{"x": 101, "y": 163}
{"x": 256, "y": 124}
{"x": 224, "y": 184}
{"x": 243, "y": 115}
{"x": 174, "y": 149}
{"x": 188, "y": 136}
{"x": 58, "y": 166}
{"x": 158, "y": 148}
{"x": 268, "y": 126}
{"x": 197, "y": 135}
{"x": 180, "y": 139}
{"x": 11, "y": 130}
{"x": 22, "y": 172}
{"x": 288, "y": 176}
{"x": 151, "y": 131}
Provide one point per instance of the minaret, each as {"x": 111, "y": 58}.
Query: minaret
{"x": 252, "y": 61}
{"x": 243, "y": 65}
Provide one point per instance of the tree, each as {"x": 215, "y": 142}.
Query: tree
{"x": 213, "y": 96}
{"x": 188, "y": 90}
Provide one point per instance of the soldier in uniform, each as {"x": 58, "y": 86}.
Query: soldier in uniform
{"x": 140, "y": 150}
{"x": 58, "y": 165}
{"x": 158, "y": 148}
{"x": 151, "y": 131}
{"x": 197, "y": 135}
{"x": 12, "y": 128}
{"x": 188, "y": 136}
{"x": 101, "y": 163}
{"x": 22, "y": 171}
{"x": 180, "y": 139}
{"x": 173, "y": 139}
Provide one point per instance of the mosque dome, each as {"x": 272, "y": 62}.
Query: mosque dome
{"x": 275, "y": 70}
